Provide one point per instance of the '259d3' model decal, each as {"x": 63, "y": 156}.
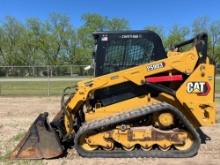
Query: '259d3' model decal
{"x": 155, "y": 66}
{"x": 200, "y": 88}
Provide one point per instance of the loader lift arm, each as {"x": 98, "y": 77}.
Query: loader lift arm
{"x": 136, "y": 75}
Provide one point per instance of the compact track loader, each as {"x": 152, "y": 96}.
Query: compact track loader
{"x": 142, "y": 102}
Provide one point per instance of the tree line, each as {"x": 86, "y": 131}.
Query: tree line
{"x": 56, "y": 41}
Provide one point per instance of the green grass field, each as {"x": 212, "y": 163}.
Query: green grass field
{"x": 34, "y": 88}
{"x": 217, "y": 86}
{"x": 40, "y": 88}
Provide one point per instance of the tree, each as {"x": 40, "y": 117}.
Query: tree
{"x": 84, "y": 41}
{"x": 2, "y": 54}
{"x": 12, "y": 41}
{"x": 58, "y": 40}
{"x": 203, "y": 24}
{"x": 93, "y": 22}
{"x": 157, "y": 29}
{"x": 54, "y": 41}
{"x": 215, "y": 40}
{"x": 116, "y": 24}
{"x": 176, "y": 34}
{"x": 200, "y": 24}
{"x": 34, "y": 29}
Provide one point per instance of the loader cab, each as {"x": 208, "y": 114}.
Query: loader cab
{"x": 116, "y": 51}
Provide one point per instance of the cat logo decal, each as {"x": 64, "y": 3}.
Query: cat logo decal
{"x": 200, "y": 88}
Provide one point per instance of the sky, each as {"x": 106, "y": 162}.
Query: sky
{"x": 139, "y": 13}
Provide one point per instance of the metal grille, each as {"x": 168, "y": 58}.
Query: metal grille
{"x": 121, "y": 54}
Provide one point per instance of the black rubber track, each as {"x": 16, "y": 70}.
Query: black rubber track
{"x": 110, "y": 123}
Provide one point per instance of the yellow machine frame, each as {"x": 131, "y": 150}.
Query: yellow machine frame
{"x": 200, "y": 110}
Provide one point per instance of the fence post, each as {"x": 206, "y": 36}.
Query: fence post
{"x": 51, "y": 71}
{"x": 0, "y": 88}
{"x": 33, "y": 71}
{"x": 71, "y": 70}
{"x": 48, "y": 81}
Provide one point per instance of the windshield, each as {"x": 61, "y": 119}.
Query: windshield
{"x": 127, "y": 53}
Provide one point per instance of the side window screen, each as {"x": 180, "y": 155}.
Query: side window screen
{"x": 115, "y": 53}
{"x": 121, "y": 54}
{"x": 138, "y": 52}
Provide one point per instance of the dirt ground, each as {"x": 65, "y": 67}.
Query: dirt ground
{"x": 17, "y": 113}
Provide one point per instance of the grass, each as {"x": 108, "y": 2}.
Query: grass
{"x": 217, "y": 86}
{"x": 34, "y": 88}
{"x": 19, "y": 136}
{"x": 8, "y": 149}
{"x": 40, "y": 88}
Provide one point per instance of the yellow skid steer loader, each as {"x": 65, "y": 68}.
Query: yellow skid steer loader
{"x": 142, "y": 102}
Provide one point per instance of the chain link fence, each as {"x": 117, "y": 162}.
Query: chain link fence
{"x": 47, "y": 80}
{"x": 40, "y": 80}
{"x": 44, "y": 71}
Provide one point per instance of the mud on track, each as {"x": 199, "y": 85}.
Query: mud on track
{"x": 17, "y": 114}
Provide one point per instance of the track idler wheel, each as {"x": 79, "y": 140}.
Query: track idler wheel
{"x": 88, "y": 147}
{"x": 109, "y": 148}
{"x": 164, "y": 148}
{"x": 146, "y": 148}
{"x": 128, "y": 148}
{"x": 186, "y": 145}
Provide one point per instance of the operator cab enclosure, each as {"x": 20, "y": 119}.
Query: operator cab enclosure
{"x": 116, "y": 51}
